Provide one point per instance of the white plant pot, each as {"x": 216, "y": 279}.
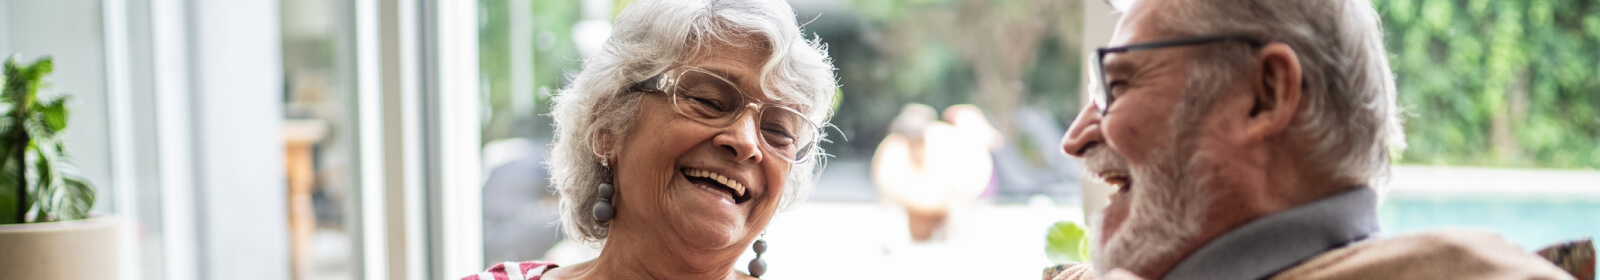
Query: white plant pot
{"x": 81, "y": 249}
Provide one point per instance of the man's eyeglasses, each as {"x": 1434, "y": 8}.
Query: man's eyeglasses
{"x": 714, "y": 100}
{"x": 1104, "y": 96}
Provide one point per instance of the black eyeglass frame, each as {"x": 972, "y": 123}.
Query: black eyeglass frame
{"x": 1103, "y": 98}
{"x": 663, "y": 82}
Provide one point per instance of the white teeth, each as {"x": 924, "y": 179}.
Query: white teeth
{"x": 737, "y": 188}
{"x": 1115, "y": 179}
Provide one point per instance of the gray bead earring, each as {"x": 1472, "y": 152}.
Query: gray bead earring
{"x": 603, "y": 210}
{"x": 757, "y": 265}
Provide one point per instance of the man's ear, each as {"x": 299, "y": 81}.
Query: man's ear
{"x": 1278, "y": 98}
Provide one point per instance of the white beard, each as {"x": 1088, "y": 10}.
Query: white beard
{"x": 1166, "y": 211}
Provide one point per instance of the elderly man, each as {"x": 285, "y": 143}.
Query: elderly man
{"x": 1245, "y": 138}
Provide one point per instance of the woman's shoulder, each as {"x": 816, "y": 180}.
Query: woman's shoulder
{"x": 529, "y": 270}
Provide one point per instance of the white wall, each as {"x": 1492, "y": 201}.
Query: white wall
{"x": 237, "y": 97}
{"x": 4, "y": 24}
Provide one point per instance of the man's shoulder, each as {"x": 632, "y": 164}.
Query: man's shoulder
{"x": 1446, "y": 254}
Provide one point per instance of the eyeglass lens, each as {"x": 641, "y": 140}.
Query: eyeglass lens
{"x": 715, "y": 101}
{"x": 1102, "y": 94}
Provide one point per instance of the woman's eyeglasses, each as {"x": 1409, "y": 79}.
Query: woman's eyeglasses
{"x": 1104, "y": 96}
{"x": 714, "y": 100}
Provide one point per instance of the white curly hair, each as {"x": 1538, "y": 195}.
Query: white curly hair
{"x": 650, "y": 36}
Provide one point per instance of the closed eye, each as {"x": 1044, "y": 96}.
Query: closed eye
{"x": 707, "y": 102}
{"x": 1116, "y": 87}
{"x": 778, "y": 137}
{"x": 779, "y": 132}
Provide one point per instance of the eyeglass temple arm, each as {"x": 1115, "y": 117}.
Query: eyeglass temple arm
{"x": 1185, "y": 41}
{"x": 651, "y": 84}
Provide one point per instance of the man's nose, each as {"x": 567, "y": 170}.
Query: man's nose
{"x": 1085, "y": 132}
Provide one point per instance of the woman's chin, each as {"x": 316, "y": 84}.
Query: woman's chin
{"x": 707, "y": 221}
{"x": 708, "y": 235}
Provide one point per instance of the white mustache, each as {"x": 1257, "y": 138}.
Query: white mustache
{"x": 1100, "y": 159}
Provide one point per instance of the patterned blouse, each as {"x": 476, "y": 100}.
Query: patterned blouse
{"x": 530, "y": 270}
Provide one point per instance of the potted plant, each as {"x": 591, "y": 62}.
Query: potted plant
{"x": 46, "y": 231}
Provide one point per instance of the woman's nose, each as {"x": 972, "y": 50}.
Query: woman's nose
{"x": 743, "y": 137}
{"x": 1085, "y": 132}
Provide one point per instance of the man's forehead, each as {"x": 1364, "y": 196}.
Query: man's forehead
{"x": 1137, "y": 22}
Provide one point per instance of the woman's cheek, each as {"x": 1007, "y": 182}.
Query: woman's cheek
{"x": 773, "y": 193}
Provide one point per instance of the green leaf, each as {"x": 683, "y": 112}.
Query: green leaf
{"x": 78, "y": 197}
{"x": 1067, "y": 242}
{"x": 23, "y": 82}
{"x": 65, "y": 194}
{"x": 32, "y": 77}
{"x": 48, "y": 183}
{"x": 55, "y": 113}
{"x": 15, "y": 83}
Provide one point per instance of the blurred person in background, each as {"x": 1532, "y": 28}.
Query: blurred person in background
{"x": 931, "y": 169}
{"x": 970, "y": 121}
{"x": 681, "y": 139}
{"x": 1245, "y": 140}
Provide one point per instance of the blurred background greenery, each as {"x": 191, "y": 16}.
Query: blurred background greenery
{"x": 1002, "y": 55}
{"x": 1509, "y": 83}
{"x": 1484, "y": 83}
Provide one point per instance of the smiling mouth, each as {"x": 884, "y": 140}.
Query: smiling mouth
{"x": 730, "y": 189}
{"x": 1119, "y": 180}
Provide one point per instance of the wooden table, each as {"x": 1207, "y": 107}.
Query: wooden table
{"x": 300, "y": 137}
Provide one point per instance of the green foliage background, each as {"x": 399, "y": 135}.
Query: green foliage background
{"x": 1001, "y": 55}
{"x": 1509, "y": 83}
{"x": 554, "y": 57}
{"x": 1497, "y": 83}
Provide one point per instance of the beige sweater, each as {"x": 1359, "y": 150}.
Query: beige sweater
{"x": 1430, "y": 255}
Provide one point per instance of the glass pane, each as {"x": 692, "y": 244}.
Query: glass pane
{"x": 526, "y": 50}
{"x": 73, "y": 33}
{"x": 918, "y": 74}
{"x": 320, "y": 145}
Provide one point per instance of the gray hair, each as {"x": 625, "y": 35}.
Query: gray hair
{"x": 1350, "y": 123}
{"x": 649, "y": 36}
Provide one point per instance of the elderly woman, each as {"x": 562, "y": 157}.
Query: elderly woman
{"x": 679, "y": 140}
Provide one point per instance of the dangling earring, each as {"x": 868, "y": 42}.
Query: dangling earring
{"x": 603, "y": 210}
{"x": 757, "y": 265}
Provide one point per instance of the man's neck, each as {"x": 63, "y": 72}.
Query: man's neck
{"x": 1246, "y": 188}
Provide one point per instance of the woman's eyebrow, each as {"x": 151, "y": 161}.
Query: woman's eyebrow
{"x": 736, "y": 79}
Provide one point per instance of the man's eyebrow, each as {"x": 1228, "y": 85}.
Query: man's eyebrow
{"x": 1119, "y": 64}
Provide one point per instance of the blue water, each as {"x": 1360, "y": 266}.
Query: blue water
{"x": 1530, "y": 221}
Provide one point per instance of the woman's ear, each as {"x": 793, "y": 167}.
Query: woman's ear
{"x": 1278, "y": 99}
{"x": 602, "y": 143}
